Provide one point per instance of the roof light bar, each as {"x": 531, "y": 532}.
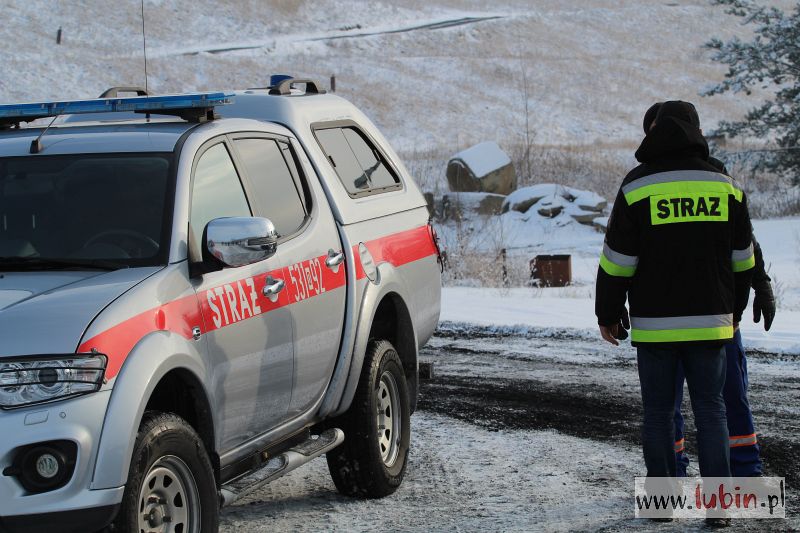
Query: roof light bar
{"x": 187, "y": 106}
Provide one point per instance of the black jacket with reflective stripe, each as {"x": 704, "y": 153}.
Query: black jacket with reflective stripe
{"x": 678, "y": 245}
{"x": 760, "y": 271}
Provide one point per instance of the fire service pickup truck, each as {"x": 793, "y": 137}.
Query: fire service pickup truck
{"x": 198, "y": 294}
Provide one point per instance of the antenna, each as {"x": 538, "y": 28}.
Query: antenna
{"x": 144, "y": 48}
{"x": 36, "y": 144}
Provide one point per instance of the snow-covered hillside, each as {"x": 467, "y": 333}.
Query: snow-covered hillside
{"x": 438, "y": 73}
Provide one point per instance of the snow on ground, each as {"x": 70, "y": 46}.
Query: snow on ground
{"x": 573, "y": 307}
{"x": 461, "y": 478}
{"x": 522, "y": 199}
{"x": 519, "y": 433}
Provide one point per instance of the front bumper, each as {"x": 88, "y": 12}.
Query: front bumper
{"x": 79, "y": 420}
{"x": 79, "y": 521}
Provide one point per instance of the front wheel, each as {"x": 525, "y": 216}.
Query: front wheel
{"x": 371, "y": 463}
{"x": 171, "y": 486}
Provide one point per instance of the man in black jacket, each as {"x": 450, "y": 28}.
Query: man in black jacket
{"x": 679, "y": 248}
{"x": 745, "y": 457}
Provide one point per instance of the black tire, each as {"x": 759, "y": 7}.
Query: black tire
{"x": 162, "y": 438}
{"x": 360, "y": 466}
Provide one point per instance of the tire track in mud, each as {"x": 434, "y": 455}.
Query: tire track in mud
{"x": 580, "y": 410}
{"x": 529, "y": 405}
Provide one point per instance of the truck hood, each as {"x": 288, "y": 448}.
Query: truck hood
{"x": 48, "y": 312}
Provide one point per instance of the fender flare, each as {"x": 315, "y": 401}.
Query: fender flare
{"x": 389, "y": 281}
{"x": 132, "y": 389}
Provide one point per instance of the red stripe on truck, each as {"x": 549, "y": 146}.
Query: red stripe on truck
{"x": 177, "y": 316}
{"x": 244, "y": 298}
{"x": 399, "y": 249}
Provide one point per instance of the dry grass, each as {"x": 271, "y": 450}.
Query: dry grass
{"x": 478, "y": 258}
{"x": 588, "y": 168}
{"x": 582, "y": 167}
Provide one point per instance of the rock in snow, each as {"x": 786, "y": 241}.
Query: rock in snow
{"x": 600, "y": 223}
{"x": 523, "y": 199}
{"x": 551, "y": 200}
{"x": 466, "y": 204}
{"x": 481, "y": 168}
{"x": 483, "y": 158}
{"x": 589, "y": 201}
{"x": 551, "y": 206}
{"x": 583, "y": 216}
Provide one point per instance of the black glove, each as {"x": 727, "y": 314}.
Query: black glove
{"x": 624, "y": 325}
{"x": 764, "y": 303}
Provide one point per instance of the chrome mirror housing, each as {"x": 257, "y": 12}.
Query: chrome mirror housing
{"x": 239, "y": 241}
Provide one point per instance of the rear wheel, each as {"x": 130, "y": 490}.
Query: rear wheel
{"x": 171, "y": 486}
{"x": 371, "y": 463}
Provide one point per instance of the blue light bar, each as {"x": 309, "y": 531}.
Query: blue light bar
{"x": 142, "y": 104}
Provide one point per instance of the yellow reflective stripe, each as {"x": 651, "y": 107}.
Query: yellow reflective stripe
{"x": 743, "y": 260}
{"x": 682, "y": 187}
{"x": 743, "y": 266}
{"x": 613, "y": 269}
{"x": 682, "y": 335}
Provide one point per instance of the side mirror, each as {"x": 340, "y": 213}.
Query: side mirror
{"x": 239, "y": 241}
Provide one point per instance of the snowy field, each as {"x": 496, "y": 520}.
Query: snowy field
{"x": 520, "y": 309}
{"x": 589, "y": 65}
{"x": 461, "y": 478}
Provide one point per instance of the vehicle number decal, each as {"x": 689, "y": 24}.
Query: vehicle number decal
{"x": 307, "y": 279}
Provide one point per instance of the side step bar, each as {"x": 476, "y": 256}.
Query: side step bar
{"x": 281, "y": 464}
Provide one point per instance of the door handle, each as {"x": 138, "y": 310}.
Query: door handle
{"x": 334, "y": 259}
{"x": 273, "y": 287}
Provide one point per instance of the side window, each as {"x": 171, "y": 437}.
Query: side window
{"x": 302, "y": 185}
{"x": 275, "y": 190}
{"x": 217, "y": 192}
{"x": 376, "y": 171}
{"x": 358, "y": 164}
{"x": 343, "y": 160}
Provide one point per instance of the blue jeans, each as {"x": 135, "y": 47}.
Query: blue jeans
{"x": 744, "y": 449}
{"x": 704, "y": 368}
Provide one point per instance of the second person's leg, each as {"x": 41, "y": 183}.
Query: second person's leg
{"x": 744, "y": 449}
{"x": 681, "y": 457}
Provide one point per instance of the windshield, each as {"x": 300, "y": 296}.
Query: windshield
{"x": 101, "y": 208}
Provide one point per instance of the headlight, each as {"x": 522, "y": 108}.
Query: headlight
{"x": 30, "y": 380}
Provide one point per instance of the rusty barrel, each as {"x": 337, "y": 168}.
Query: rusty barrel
{"x": 551, "y": 270}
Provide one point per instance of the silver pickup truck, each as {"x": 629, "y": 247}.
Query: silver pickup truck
{"x": 198, "y": 294}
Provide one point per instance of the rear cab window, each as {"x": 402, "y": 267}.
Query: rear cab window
{"x": 360, "y": 165}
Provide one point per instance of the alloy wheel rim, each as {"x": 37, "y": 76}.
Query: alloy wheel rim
{"x": 169, "y": 501}
{"x": 388, "y": 418}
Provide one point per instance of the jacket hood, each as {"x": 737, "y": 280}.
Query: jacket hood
{"x": 672, "y": 138}
{"x": 48, "y": 312}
